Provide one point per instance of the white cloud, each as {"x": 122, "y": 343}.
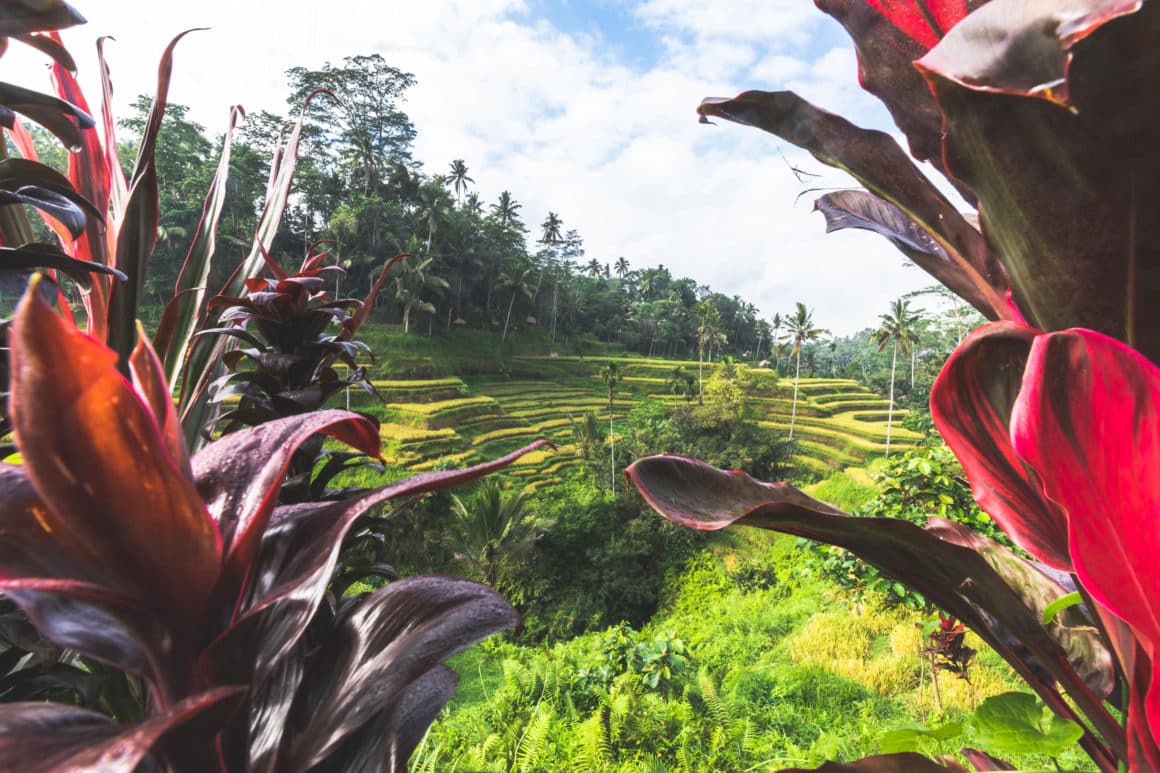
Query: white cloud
{"x": 565, "y": 123}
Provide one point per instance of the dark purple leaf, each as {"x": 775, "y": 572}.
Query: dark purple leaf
{"x": 971, "y": 403}
{"x": 982, "y": 761}
{"x": 1065, "y": 194}
{"x": 43, "y": 256}
{"x": 878, "y": 163}
{"x": 388, "y": 642}
{"x": 66, "y": 121}
{"x": 888, "y": 37}
{"x": 957, "y": 579}
{"x": 23, "y": 17}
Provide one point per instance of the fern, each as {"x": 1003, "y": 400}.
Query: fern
{"x": 716, "y": 708}
{"x": 534, "y": 741}
{"x": 595, "y": 750}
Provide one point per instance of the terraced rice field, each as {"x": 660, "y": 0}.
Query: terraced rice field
{"x": 447, "y": 421}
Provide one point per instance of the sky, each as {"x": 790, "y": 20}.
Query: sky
{"x": 586, "y": 109}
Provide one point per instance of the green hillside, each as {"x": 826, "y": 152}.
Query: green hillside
{"x": 425, "y": 422}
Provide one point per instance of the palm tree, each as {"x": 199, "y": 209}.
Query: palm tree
{"x": 517, "y": 285}
{"x": 411, "y": 279}
{"x": 551, "y": 229}
{"x": 800, "y": 328}
{"x": 593, "y": 268}
{"x": 610, "y": 375}
{"x": 585, "y": 434}
{"x": 492, "y": 529}
{"x": 506, "y": 209}
{"x": 775, "y": 326}
{"x": 621, "y": 268}
{"x": 681, "y": 383}
{"x": 709, "y": 317}
{"x": 897, "y": 330}
{"x": 458, "y": 178}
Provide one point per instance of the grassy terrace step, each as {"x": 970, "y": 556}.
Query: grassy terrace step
{"x": 833, "y": 457}
{"x": 403, "y": 433}
{"x": 871, "y": 431}
{"x": 843, "y": 441}
{"x": 462, "y": 459}
{"x": 420, "y": 390}
{"x": 865, "y": 404}
{"x": 777, "y": 405}
{"x": 813, "y": 465}
{"x": 508, "y": 388}
{"x": 445, "y": 413}
{"x": 846, "y": 396}
{"x": 824, "y": 387}
{"x": 517, "y": 432}
{"x": 876, "y": 416}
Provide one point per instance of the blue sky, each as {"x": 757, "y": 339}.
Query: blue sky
{"x": 582, "y": 108}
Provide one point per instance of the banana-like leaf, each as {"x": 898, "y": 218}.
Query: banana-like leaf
{"x": 67, "y": 121}
{"x": 878, "y": 163}
{"x": 1065, "y": 193}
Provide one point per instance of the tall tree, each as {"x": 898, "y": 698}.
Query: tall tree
{"x": 800, "y": 329}
{"x": 593, "y": 268}
{"x": 706, "y": 334}
{"x": 622, "y": 267}
{"x": 897, "y": 330}
{"x": 550, "y": 229}
{"x": 458, "y": 179}
{"x": 506, "y": 209}
{"x": 412, "y": 279}
{"x": 610, "y": 375}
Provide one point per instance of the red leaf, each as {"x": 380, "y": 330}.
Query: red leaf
{"x": 971, "y": 404}
{"x": 925, "y": 21}
{"x": 114, "y": 500}
{"x": 149, "y": 381}
{"x": 1088, "y": 419}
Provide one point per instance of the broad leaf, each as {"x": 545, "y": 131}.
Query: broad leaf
{"x": 971, "y": 403}
{"x": 38, "y": 255}
{"x": 23, "y": 17}
{"x": 1013, "y": 723}
{"x": 878, "y": 163}
{"x": 65, "y": 120}
{"x": 1088, "y": 419}
{"x": 909, "y": 738}
{"x": 1027, "y": 88}
{"x": 888, "y": 37}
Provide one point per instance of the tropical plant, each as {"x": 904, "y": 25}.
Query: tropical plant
{"x": 492, "y": 529}
{"x": 897, "y": 331}
{"x": 458, "y": 179}
{"x": 1052, "y": 408}
{"x": 799, "y": 329}
{"x": 195, "y": 582}
{"x": 683, "y": 384}
{"x": 412, "y": 280}
{"x": 550, "y": 229}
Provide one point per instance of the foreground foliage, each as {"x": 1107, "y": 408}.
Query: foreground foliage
{"x": 1052, "y": 408}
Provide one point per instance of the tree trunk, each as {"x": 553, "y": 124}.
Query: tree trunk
{"x": 611, "y": 445}
{"x": 796, "y": 376}
{"x": 406, "y": 318}
{"x": 508, "y": 318}
{"x": 890, "y": 407}
{"x": 700, "y": 376}
{"x": 913, "y": 361}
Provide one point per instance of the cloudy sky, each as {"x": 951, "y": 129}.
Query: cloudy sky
{"x": 584, "y": 108}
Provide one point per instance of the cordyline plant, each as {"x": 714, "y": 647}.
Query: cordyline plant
{"x": 1042, "y": 115}
{"x": 183, "y": 571}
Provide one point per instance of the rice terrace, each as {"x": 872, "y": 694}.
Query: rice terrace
{"x": 419, "y": 388}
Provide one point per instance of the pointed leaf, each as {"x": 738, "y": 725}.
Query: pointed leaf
{"x": 360, "y": 316}
{"x": 390, "y": 640}
{"x": 1002, "y": 77}
{"x": 43, "y": 256}
{"x": 47, "y": 45}
{"x": 888, "y": 37}
{"x": 65, "y": 120}
{"x": 1088, "y": 419}
{"x": 971, "y": 403}
{"x": 20, "y": 18}
{"x": 46, "y": 737}
{"x": 118, "y": 510}
{"x": 189, "y": 292}
{"x": 878, "y": 163}
{"x": 149, "y": 382}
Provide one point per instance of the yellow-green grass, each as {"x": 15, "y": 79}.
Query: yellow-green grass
{"x": 880, "y": 415}
{"x": 402, "y": 433}
{"x": 541, "y": 455}
{"x": 863, "y": 404}
{"x": 457, "y": 459}
{"x": 812, "y": 464}
{"x": 512, "y": 432}
{"x": 836, "y": 438}
{"x": 441, "y": 406}
{"x": 821, "y": 388}
{"x": 831, "y": 456}
{"x": 874, "y": 431}
{"x": 535, "y": 486}
{"x": 575, "y": 408}
{"x": 851, "y": 395}
{"x": 419, "y": 390}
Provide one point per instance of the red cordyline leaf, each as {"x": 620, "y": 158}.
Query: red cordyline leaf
{"x": 925, "y": 21}
{"x": 1088, "y": 420}
{"x": 971, "y": 403}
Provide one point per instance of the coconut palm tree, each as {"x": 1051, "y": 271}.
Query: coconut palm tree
{"x": 706, "y": 334}
{"x": 506, "y": 209}
{"x": 610, "y": 375}
{"x": 775, "y": 342}
{"x": 897, "y": 329}
{"x": 458, "y": 178}
{"x": 412, "y": 278}
{"x": 800, "y": 329}
{"x": 492, "y": 529}
{"x": 551, "y": 229}
{"x": 517, "y": 284}
{"x": 593, "y": 268}
{"x": 621, "y": 267}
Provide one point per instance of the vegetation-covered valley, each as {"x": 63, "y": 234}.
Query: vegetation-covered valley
{"x": 311, "y": 459}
